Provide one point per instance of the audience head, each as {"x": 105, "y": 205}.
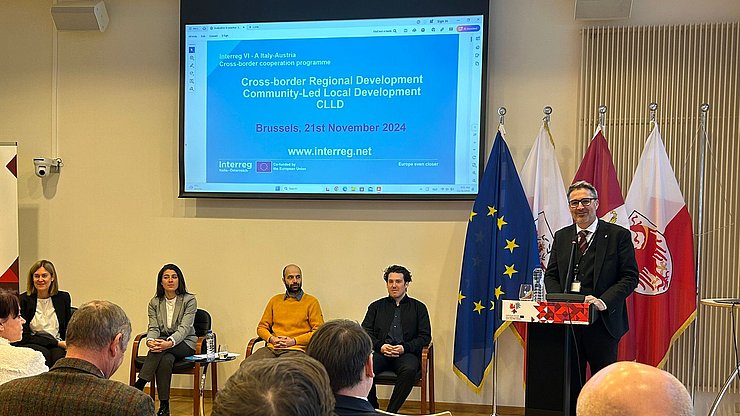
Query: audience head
{"x": 11, "y": 321}
{"x": 345, "y": 350}
{"x": 627, "y": 388}
{"x": 289, "y": 386}
{"x": 169, "y": 270}
{"x": 42, "y": 276}
{"x": 102, "y": 330}
{"x": 292, "y": 278}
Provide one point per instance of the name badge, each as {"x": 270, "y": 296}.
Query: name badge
{"x": 575, "y": 287}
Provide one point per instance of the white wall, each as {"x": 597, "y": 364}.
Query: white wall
{"x": 113, "y": 217}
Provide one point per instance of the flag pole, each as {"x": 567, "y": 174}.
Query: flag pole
{"x": 704, "y": 108}
{"x": 495, "y": 371}
{"x": 653, "y": 107}
{"x": 602, "y": 116}
{"x": 501, "y": 114}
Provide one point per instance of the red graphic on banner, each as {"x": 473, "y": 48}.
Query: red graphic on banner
{"x": 13, "y": 166}
{"x": 11, "y": 275}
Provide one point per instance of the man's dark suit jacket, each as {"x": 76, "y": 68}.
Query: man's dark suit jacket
{"x": 63, "y": 308}
{"x": 72, "y": 387}
{"x": 417, "y": 331}
{"x": 352, "y": 406}
{"x": 615, "y": 270}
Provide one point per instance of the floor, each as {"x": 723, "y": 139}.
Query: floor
{"x": 730, "y": 405}
{"x": 183, "y": 406}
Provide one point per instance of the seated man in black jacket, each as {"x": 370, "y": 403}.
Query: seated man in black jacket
{"x": 399, "y": 328}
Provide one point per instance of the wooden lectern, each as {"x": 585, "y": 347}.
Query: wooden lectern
{"x": 551, "y": 363}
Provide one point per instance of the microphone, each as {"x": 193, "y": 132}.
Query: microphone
{"x": 569, "y": 275}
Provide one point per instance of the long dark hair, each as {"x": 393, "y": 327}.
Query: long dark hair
{"x": 181, "y": 288}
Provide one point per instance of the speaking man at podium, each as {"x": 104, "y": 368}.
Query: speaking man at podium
{"x": 596, "y": 259}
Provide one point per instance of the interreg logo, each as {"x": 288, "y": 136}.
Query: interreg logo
{"x": 654, "y": 260}
{"x": 234, "y": 166}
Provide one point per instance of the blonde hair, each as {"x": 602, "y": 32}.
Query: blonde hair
{"x": 49, "y": 266}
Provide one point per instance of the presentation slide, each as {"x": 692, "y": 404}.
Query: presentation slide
{"x": 389, "y": 106}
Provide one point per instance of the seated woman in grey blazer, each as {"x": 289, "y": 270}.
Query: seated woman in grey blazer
{"x": 171, "y": 335}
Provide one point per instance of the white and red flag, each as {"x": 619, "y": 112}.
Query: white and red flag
{"x": 545, "y": 191}
{"x": 665, "y": 299}
{"x": 543, "y": 184}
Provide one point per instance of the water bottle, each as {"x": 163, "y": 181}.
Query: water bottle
{"x": 211, "y": 345}
{"x": 538, "y": 284}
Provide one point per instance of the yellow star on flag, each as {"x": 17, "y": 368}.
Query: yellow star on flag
{"x": 493, "y": 305}
{"x": 472, "y": 214}
{"x": 498, "y": 292}
{"x": 460, "y": 297}
{"x": 511, "y": 245}
{"x": 501, "y": 222}
{"x": 492, "y": 211}
{"x": 510, "y": 271}
{"x": 478, "y": 307}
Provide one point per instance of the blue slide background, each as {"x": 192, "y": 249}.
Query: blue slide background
{"x": 429, "y": 118}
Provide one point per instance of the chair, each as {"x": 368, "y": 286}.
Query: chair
{"x": 202, "y": 324}
{"x": 250, "y": 346}
{"x": 425, "y": 377}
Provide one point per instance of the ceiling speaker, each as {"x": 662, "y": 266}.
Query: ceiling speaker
{"x": 603, "y": 9}
{"x": 86, "y": 15}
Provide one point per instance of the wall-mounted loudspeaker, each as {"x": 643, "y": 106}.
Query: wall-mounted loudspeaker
{"x": 603, "y": 9}
{"x": 86, "y": 15}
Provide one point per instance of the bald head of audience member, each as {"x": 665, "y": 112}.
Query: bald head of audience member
{"x": 628, "y": 388}
{"x": 292, "y": 386}
{"x": 345, "y": 350}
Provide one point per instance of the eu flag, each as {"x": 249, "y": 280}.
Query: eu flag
{"x": 500, "y": 254}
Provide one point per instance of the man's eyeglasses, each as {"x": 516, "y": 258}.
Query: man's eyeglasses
{"x": 586, "y": 202}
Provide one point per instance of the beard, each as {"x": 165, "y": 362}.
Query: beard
{"x": 294, "y": 288}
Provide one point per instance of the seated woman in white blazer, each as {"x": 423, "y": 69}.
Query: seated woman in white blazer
{"x": 171, "y": 334}
{"x": 15, "y": 362}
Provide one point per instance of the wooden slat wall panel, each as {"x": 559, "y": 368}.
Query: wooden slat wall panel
{"x": 679, "y": 67}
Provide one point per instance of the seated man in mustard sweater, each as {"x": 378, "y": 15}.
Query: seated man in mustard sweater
{"x": 289, "y": 320}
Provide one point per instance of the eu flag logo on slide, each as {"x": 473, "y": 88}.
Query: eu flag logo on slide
{"x": 264, "y": 167}
{"x": 500, "y": 254}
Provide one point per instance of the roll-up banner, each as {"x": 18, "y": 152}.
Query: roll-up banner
{"x": 9, "y": 215}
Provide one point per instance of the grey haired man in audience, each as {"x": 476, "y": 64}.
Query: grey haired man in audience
{"x": 79, "y": 384}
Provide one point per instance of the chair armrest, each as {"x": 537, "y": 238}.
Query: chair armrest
{"x": 427, "y": 354}
{"x": 251, "y": 345}
{"x": 199, "y": 345}
{"x": 135, "y": 347}
{"x": 134, "y": 354}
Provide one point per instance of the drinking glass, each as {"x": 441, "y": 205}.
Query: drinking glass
{"x": 525, "y": 292}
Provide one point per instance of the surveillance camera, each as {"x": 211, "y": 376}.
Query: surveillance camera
{"x": 43, "y": 166}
